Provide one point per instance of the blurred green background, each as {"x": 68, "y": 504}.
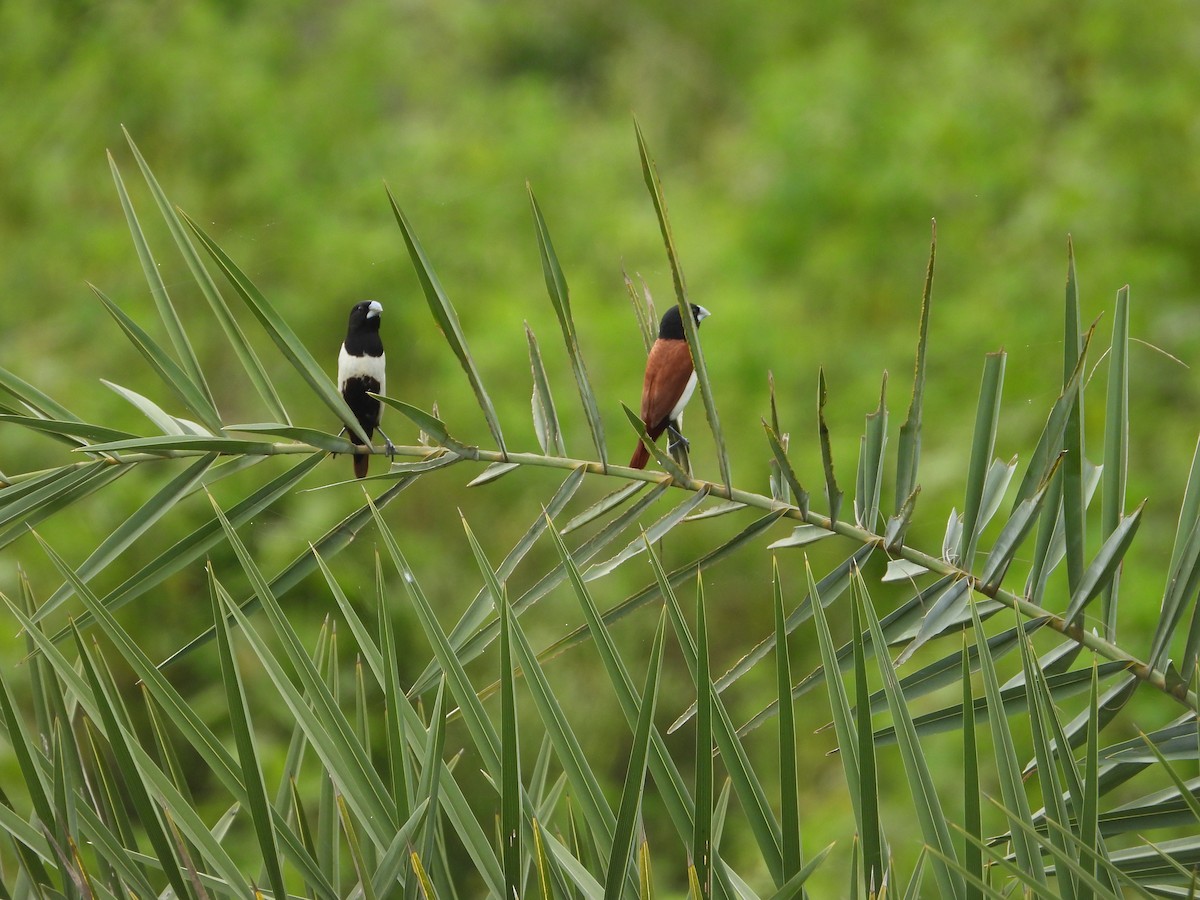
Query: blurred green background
{"x": 804, "y": 150}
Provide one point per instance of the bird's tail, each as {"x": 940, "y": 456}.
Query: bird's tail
{"x": 361, "y": 462}
{"x": 641, "y": 456}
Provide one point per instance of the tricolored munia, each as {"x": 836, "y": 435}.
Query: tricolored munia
{"x": 670, "y": 381}
{"x": 361, "y": 373}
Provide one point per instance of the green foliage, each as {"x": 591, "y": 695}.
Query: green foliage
{"x": 400, "y": 816}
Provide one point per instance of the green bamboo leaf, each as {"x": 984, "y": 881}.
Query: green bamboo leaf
{"x": 645, "y": 878}
{"x": 390, "y": 871}
{"x": 635, "y": 778}
{"x": 35, "y": 400}
{"x": 239, "y": 718}
{"x": 1116, "y": 448}
{"x": 654, "y": 186}
{"x": 357, "y": 856}
{"x": 869, "y": 481}
{"x": 839, "y": 705}
{"x": 972, "y": 865}
{"x": 560, "y": 299}
{"x": 801, "y": 536}
{"x": 1012, "y": 789}
{"x": 1104, "y": 567}
{"x": 69, "y": 430}
{"x": 127, "y": 533}
{"x": 1182, "y": 578}
{"x": 280, "y": 332}
{"x": 585, "y": 786}
{"x": 162, "y": 420}
{"x": 1020, "y": 523}
{"x": 663, "y": 459}
{"x": 446, "y": 319}
{"x": 987, "y": 417}
{"x": 785, "y": 466}
{"x": 510, "y": 762}
{"x": 794, "y": 886}
{"x": 313, "y": 437}
{"x": 187, "y": 444}
{"x": 187, "y": 550}
{"x": 643, "y": 308}
{"x": 545, "y": 417}
{"x": 874, "y": 845}
{"x": 1049, "y": 447}
{"x": 655, "y": 532}
{"x": 430, "y": 786}
{"x": 908, "y": 451}
{"x": 716, "y": 511}
{"x": 928, "y": 807}
{"x": 789, "y": 780}
{"x": 492, "y": 472}
{"x": 158, "y": 290}
{"x": 434, "y": 427}
{"x": 604, "y": 506}
{"x": 190, "y": 392}
{"x": 702, "y": 841}
{"x": 233, "y": 333}
{"x": 833, "y": 493}
{"x": 897, "y": 526}
{"x": 1041, "y": 710}
{"x": 1074, "y": 446}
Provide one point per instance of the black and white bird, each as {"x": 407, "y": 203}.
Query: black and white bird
{"x": 361, "y": 373}
{"x": 669, "y": 383}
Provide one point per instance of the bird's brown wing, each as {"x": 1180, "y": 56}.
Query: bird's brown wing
{"x": 667, "y": 372}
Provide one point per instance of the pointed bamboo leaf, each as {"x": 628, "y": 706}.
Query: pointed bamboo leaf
{"x": 833, "y": 493}
{"x": 643, "y": 309}
{"x": 801, "y": 536}
{"x": 1116, "y": 448}
{"x": 190, "y": 392}
{"x": 239, "y": 717}
{"x": 908, "y": 452}
{"x": 702, "y": 839}
{"x": 785, "y": 467}
{"x": 869, "y": 481}
{"x": 669, "y": 465}
{"x": 654, "y": 186}
{"x": 446, "y": 319}
{"x": 35, "y": 400}
{"x": 1104, "y": 567}
{"x": 656, "y": 532}
{"x": 926, "y": 804}
{"x": 1074, "y": 445}
{"x": 70, "y": 431}
{"x": 560, "y": 299}
{"x": 983, "y": 443}
{"x": 789, "y": 783}
{"x": 233, "y": 332}
{"x": 1012, "y": 789}
{"x": 635, "y": 778}
{"x": 545, "y": 417}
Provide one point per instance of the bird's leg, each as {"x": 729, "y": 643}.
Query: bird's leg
{"x": 388, "y": 447}
{"x": 675, "y": 438}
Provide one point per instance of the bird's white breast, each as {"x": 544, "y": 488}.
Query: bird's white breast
{"x": 684, "y": 397}
{"x": 361, "y": 367}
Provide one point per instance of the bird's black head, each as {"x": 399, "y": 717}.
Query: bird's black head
{"x": 671, "y": 326}
{"x": 364, "y": 316}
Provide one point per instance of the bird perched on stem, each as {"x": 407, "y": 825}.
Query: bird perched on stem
{"x": 361, "y": 373}
{"x": 670, "y": 381}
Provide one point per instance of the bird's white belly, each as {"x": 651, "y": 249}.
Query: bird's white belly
{"x": 688, "y": 390}
{"x": 361, "y": 367}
